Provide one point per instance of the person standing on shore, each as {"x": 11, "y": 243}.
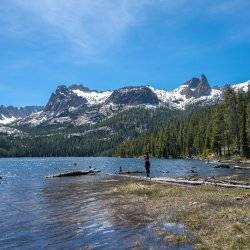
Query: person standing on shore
{"x": 147, "y": 164}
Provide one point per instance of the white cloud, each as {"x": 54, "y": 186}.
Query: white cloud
{"x": 89, "y": 24}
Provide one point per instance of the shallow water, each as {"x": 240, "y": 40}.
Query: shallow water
{"x": 79, "y": 212}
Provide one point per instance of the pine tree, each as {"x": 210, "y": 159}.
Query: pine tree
{"x": 243, "y": 129}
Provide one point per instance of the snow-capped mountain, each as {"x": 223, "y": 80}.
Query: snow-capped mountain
{"x": 10, "y": 114}
{"x": 241, "y": 86}
{"x": 78, "y": 105}
{"x": 189, "y": 93}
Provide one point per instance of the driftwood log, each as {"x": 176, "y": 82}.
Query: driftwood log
{"x": 75, "y": 173}
{"x": 195, "y": 181}
{"x": 204, "y": 181}
{"x": 131, "y": 172}
{"x": 222, "y": 166}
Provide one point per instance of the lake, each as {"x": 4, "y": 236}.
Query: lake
{"x": 78, "y": 212}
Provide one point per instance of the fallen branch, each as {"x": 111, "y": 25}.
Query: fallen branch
{"x": 75, "y": 173}
{"x": 194, "y": 182}
{"x": 131, "y": 172}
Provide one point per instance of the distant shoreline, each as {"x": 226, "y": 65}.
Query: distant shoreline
{"x": 231, "y": 162}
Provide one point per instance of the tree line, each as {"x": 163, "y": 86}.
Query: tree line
{"x": 99, "y": 139}
{"x": 222, "y": 130}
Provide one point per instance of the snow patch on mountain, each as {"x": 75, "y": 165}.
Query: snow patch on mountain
{"x": 93, "y": 97}
{"x": 34, "y": 119}
{"x": 167, "y": 96}
{"x": 241, "y": 86}
{"x": 7, "y": 120}
{"x": 83, "y": 120}
{"x": 56, "y": 120}
{"x": 10, "y": 131}
{"x": 177, "y": 99}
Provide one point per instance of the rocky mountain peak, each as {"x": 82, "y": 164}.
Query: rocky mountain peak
{"x": 79, "y": 87}
{"x": 62, "y": 100}
{"x": 204, "y": 79}
{"x": 193, "y": 83}
{"x": 133, "y": 96}
{"x": 196, "y": 87}
{"x": 62, "y": 90}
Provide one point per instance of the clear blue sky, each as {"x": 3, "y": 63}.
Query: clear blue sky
{"x": 106, "y": 44}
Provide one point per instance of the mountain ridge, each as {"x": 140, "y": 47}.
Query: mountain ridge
{"x": 10, "y": 113}
{"x": 78, "y": 121}
{"x": 79, "y": 105}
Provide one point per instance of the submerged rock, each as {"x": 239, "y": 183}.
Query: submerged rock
{"x": 165, "y": 172}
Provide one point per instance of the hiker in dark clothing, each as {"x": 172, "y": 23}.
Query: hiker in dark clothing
{"x": 120, "y": 170}
{"x": 147, "y": 164}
